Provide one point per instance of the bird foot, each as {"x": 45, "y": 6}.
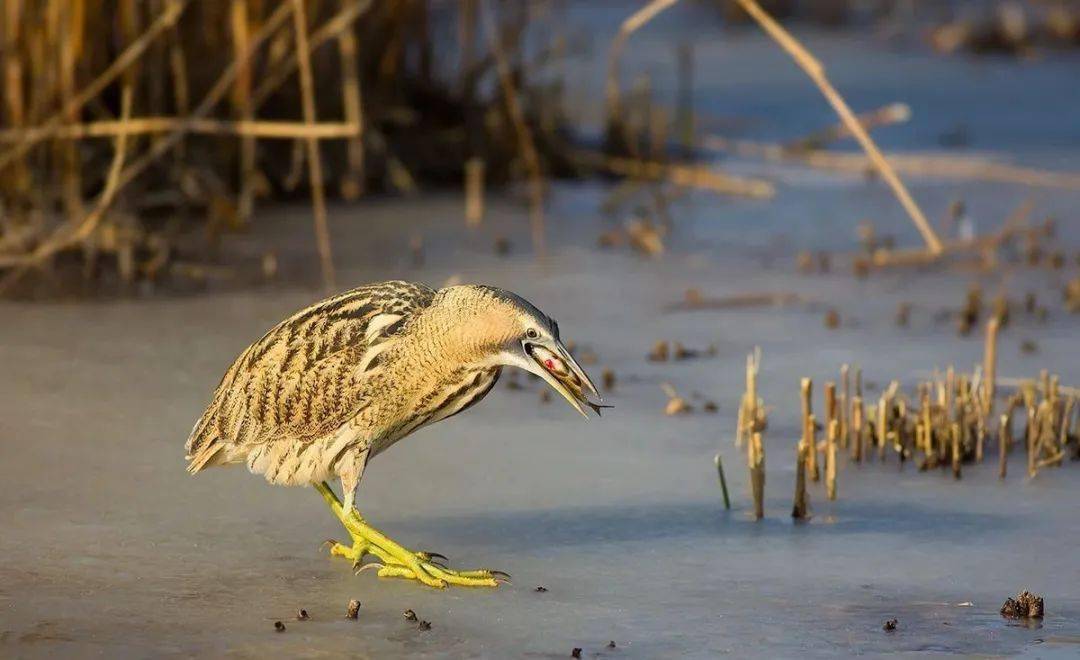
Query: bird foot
{"x": 394, "y": 560}
{"x": 424, "y": 567}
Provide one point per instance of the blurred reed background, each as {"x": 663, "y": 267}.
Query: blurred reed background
{"x": 128, "y": 123}
{"x": 129, "y": 126}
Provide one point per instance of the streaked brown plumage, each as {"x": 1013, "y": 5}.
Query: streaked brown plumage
{"x": 332, "y": 386}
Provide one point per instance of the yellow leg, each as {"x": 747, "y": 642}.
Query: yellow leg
{"x": 396, "y": 560}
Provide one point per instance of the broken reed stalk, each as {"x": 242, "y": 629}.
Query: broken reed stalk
{"x": 474, "y": 192}
{"x": 723, "y": 480}
{"x": 521, "y": 128}
{"x": 631, "y": 24}
{"x": 801, "y": 506}
{"x": 830, "y": 458}
{"x": 830, "y": 404}
{"x": 807, "y": 387}
{"x": 315, "y": 173}
{"x": 816, "y": 72}
{"x": 756, "y": 461}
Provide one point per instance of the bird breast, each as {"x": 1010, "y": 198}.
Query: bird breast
{"x": 430, "y": 400}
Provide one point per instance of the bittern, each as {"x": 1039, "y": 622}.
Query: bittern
{"x": 334, "y": 385}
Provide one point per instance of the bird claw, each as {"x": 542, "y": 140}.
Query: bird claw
{"x": 359, "y": 567}
{"x": 427, "y": 555}
{"x": 501, "y": 576}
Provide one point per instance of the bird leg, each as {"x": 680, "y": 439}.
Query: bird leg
{"x": 396, "y": 560}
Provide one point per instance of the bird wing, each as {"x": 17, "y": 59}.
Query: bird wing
{"x": 305, "y": 377}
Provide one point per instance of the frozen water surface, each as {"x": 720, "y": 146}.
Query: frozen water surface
{"x": 108, "y": 548}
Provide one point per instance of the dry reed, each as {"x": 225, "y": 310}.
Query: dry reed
{"x": 210, "y": 88}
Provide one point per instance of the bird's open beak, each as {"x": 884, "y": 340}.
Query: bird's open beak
{"x": 564, "y": 374}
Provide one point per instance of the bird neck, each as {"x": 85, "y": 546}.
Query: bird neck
{"x": 451, "y": 339}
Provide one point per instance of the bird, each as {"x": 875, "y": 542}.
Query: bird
{"x": 339, "y": 382}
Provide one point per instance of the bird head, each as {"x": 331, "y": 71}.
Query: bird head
{"x": 504, "y": 329}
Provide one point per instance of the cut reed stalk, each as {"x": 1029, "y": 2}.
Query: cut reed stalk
{"x": 830, "y": 459}
{"x": 756, "y": 461}
{"x": 800, "y": 508}
{"x": 807, "y": 387}
{"x": 830, "y": 404}
{"x": 1032, "y": 441}
{"x": 845, "y": 406}
{"x": 749, "y": 410}
{"x": 990, "y": 365}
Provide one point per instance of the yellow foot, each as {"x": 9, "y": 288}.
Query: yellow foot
{"x": 393, "y": 560}
{"x": 424, "y": 567}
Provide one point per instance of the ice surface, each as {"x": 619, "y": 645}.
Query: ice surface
{"x": 109, "y": 548}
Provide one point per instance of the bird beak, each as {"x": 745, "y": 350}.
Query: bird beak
{"x": 563, "y": 374}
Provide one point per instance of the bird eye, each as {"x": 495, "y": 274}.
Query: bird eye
{"x": 531, "y": 333}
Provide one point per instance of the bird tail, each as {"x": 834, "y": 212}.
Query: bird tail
{"x": 203, "y": 457}
{"x": 202, "y": 446}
